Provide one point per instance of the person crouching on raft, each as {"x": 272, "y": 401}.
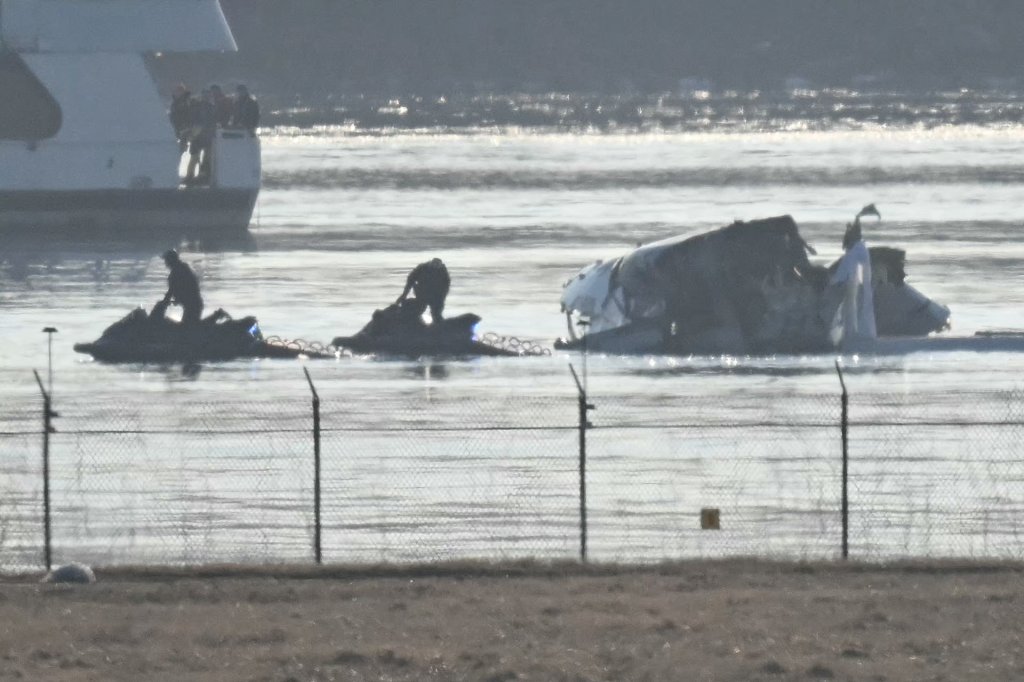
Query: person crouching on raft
{"x": 430, "y": 282}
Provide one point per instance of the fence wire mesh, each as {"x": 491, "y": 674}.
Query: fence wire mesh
{"x": 483, "y": 477}
{"x": 198, "y": 483}
{"x": 769, "y": 468}
{"x": 937, "y": 478}
{"x": 21, "y": 484}
{"x": 453, "y": 474}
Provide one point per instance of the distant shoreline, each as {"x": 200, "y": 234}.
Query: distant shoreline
{"x": 350, "y": 47}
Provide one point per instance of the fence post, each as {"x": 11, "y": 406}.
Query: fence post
{"x": 48, "y": 415}
{"x": 844, "y": 427}
{"x": 317, "y": 553}
{"x": 584, "y": 424}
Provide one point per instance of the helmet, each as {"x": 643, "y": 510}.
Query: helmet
{"x": 170, "y": 255}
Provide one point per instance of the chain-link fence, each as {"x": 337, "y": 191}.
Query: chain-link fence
{"x": 769, "y": 465}
{"x": 462, "y": 475}
{"x": 940, "y": 474}
{"x": 477, "y": 476}
{"x": 21, "y": 485}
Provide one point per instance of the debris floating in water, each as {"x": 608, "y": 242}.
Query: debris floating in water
{"x": 313, "y": 349}
{"x": 514, "y": 344}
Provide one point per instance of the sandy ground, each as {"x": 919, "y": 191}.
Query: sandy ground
{"x": 734, "y": 620}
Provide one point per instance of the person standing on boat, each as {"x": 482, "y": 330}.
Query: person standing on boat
{"x": 246, "y": 113}
{"x": 430, "y": 282}
{"x": 222, "y": 106}
{"x": 181, "y": 114}
{"x": 853, "y": 278}
{"x": 204, "y": 127}
{"x": 183, "y": 288}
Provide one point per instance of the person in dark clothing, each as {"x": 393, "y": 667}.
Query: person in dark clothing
{"x": 430, "y": 282}
{"x": 222, "y": 106}
{"x": 181, "y": 114}
{"x": 204, "y": 127}
{"x": 183, "y": 288}
{"x": 246, "y": 113}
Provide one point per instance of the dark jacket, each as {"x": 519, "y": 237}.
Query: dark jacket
{"x": 183, "y": 286}
{"x": 430, "y": 281}
{"x": 246, "y": 114}
{"x": 204, "y": 122}
{"x": 181, "y": 114}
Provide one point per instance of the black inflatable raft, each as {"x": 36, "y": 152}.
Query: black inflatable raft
{"x": 399, "y": 330}
{"x": 151, "y": 337}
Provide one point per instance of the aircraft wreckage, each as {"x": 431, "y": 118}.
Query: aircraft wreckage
{"x": 750, "y": 289}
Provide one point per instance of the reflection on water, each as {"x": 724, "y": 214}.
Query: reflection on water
{"x": 48, "y": 247}
{"x": 578, "y": 180}
{"x": 700, "y": 110}
{"x": 429, "y": 369}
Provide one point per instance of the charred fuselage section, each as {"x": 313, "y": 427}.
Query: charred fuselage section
{"x": 745, "y": 289}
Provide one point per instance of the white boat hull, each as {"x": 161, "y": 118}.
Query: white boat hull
{"x": 193, "y": 211}
{"x": 86, "y": 145}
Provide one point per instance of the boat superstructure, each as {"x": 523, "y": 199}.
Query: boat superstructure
{"x": 85, "y": 140}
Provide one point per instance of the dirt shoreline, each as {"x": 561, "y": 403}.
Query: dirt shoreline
{"x": 708, "y": 620}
